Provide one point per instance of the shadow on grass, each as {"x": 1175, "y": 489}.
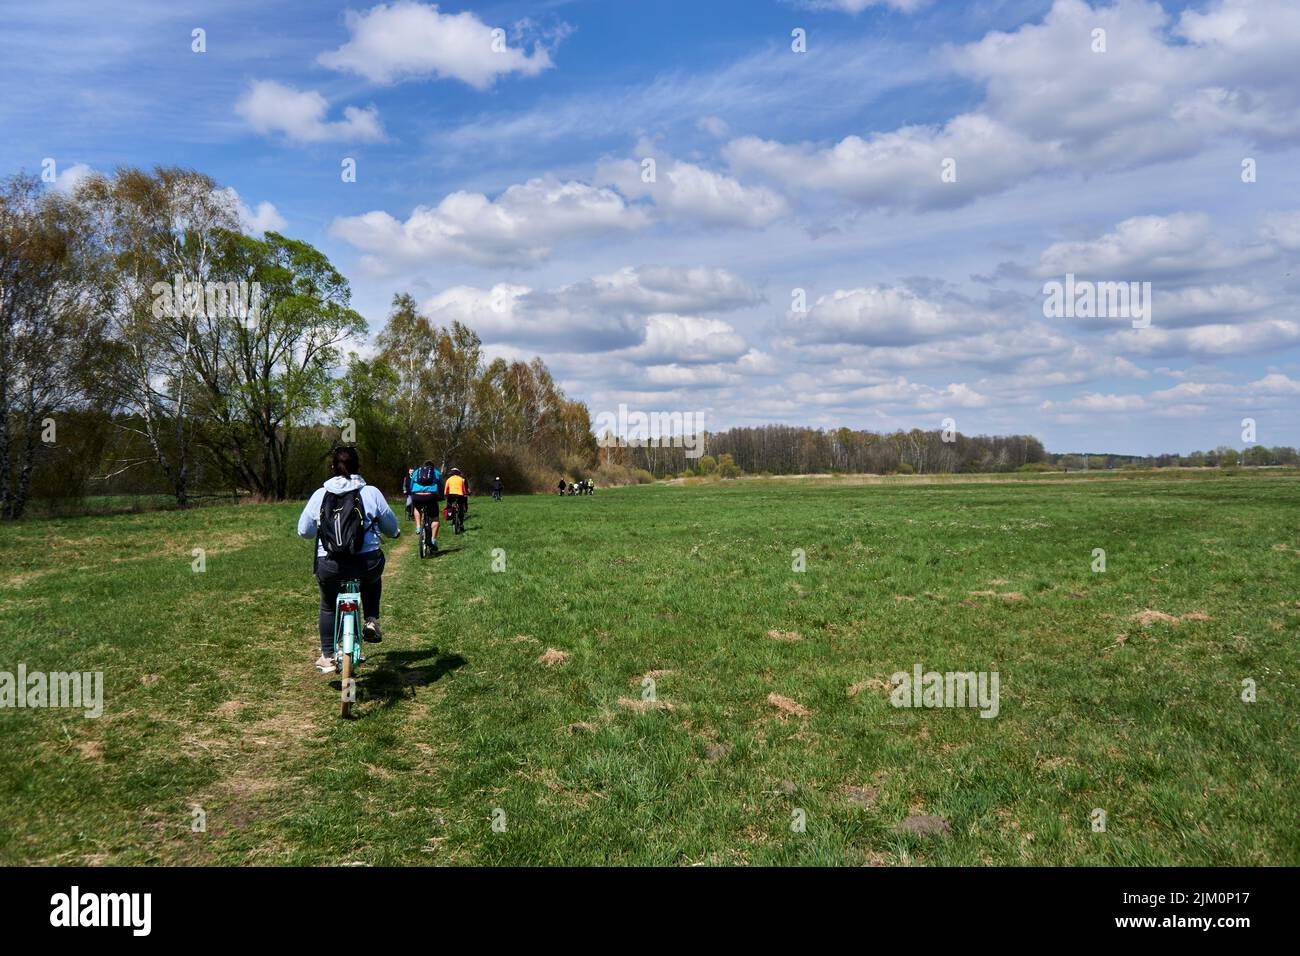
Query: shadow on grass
{"x": 392, "y": 677}
{"x": 441, "y": 551}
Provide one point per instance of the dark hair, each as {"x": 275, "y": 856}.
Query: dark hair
{"x": 429, "y": 462}
{"x": 345, "y": 461}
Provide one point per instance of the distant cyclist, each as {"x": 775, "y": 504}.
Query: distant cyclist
{"x": 457, "y": 492}
{"x": 496, "y": 488}
{"x": 345, "y": 516}
{"x": 406, "y": 490}
{"x": 426, "y": 489}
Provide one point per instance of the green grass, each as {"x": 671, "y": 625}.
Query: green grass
{"x": 210, "y": 698}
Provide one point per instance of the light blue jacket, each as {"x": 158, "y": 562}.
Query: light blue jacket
{"x": 379, "y": 517}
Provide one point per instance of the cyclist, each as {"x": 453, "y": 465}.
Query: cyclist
{"x": 456, "y": 493}
{"x": 347, "y": 489}
{"x": 426, "y": 489}
{"x": 406, "y": 490}
{"x": 496, "y": 488}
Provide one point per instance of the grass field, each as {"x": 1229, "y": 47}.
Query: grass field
{"x": 210, "y": 699}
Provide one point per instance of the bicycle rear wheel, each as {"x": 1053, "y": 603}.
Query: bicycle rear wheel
{"x": 349, "y": 686}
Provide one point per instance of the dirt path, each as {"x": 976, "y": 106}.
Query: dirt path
{"x": 263, "y": 763}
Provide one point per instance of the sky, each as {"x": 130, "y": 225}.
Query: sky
{"x": 819, "y": 212}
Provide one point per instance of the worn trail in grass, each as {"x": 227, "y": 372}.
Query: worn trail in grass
{"x": 473, "y": 744}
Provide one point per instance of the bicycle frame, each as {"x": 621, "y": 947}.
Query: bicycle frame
{"x": 347, "y": 624}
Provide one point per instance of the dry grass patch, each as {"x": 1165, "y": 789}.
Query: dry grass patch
{"x": 652, "y": 675}
{"x": 553, "y": 658}
{"x": 644, "y": 706}
{"x": 1148, "y": 617}
{"x": 786, "y": 706}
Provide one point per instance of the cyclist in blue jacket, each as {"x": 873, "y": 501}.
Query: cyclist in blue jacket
{"x": 426, "y": 489}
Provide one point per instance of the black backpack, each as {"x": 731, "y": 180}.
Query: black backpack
{"x": 426, "y": 475}
{"x": 341, "y": 527}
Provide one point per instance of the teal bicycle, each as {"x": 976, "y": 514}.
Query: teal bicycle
{"x": 347, "y": 640}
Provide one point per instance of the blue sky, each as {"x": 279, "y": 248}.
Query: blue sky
{"x": 505, "y": 188}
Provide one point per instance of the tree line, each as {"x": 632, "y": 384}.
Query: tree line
{"x": 150, "y": 346}
{"x": 792, "y": 449}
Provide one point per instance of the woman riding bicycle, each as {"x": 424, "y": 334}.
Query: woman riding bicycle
{"x": 366, "y": 565}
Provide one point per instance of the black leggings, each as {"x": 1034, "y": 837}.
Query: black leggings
{"x": 368, "y": 568}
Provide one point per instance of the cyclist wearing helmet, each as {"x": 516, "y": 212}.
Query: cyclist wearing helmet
{"x": 457, "y": 491}
{"x": 426, "y": 488}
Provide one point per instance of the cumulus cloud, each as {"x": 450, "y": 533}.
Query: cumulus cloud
{"x": 880, "y": 316}
{"x": 1052, "y": 101}
{"x": 684, "y": 191}
{"x": 1148, "y": 247}
{"x": 518, "y": 227}
{"x": 1202, "y": 305}
{"x": 906, "y": 167}
{"x": 393, "y": 42}
{"x": 67, "y": 181}
{"x": 1283, "y": 230}
{"x": 512, "y": 314}
{"x": 647, "y": 289}
{"x": 1214, "y": 340}
{"x": 1184, "y": 399}
{"x": 265, "y": 218}
{"x": 685, "y": 339}
{"x": 300, "y": 115}
{"x": 625, "y": 312}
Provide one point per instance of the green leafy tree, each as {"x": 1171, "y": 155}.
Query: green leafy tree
{"x": 265, "y": 372}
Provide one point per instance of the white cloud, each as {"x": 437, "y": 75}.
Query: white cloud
{"x": 713, "y": 125}
{"x": 647, "y": 289}
{"x": 880, "y": 316}
{"x": 409, "y": 40}
{"x": 1283, "y": 230}
{"x": 684, "y": 339}
{"x": 265, "y": 218}
{"x": 67, "y": 181}
{"x": 1183, "y": 400}
{"x": 271, "y": 107}
{"x": 906, "y": 167}
{"x": 1200, "y": 305}
{"x": 1208, "y": 341}
{"x": 517, "y": 228}
{"x": 1146, "y": 247}
{"x": 1052, "y": 102}
{"x": 622, "y": 312}
{"x": 685, "y": 191}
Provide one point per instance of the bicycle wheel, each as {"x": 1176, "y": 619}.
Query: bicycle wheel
{"x": 347, "y": 680}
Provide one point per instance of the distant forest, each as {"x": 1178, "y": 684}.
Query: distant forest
{"x": 788, "y": 449}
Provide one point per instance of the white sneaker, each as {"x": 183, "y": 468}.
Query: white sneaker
{"x": 326, "y": 665}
